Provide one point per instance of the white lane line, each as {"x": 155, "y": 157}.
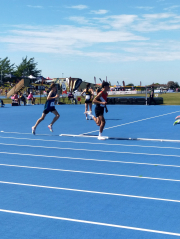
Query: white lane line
{"x": 75, "y": 142}
{"x": 89, "y": 150}
{"x": 107, "y": 174}
{"x": 136, "y": 121}
{"x": 86, "y": 159}
{"x": 93, "y": 192}
{"x": 90, "y": 222}
{"x": 26, "y": 133}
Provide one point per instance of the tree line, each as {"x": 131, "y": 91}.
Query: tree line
{"x": 25, "y": 68}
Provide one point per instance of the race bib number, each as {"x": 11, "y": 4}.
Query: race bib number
{"x": 88, "y": 97}
{"x": 52, "y": 104}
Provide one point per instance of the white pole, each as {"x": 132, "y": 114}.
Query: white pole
{"x": 146, "y": 95}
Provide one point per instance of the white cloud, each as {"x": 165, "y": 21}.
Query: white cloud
{"x": 34, "y": 6}
{"x": 118, "y": 21}
{"x": 66, "y": 40}
{"x": 99, "y": 12}
{"x": 171, "y": 8}
{"x": 145, "y": 8}
{"x": 80, "y": 20}
{"x": 115, "y": 38}
{"x": 79, "y": 7}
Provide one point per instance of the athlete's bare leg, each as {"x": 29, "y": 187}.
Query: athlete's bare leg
{"x": 102, "y": 123}
{"x": 39, "y": 120}
{"x": 86, "y": 109}
{"x": 56, "y": 117}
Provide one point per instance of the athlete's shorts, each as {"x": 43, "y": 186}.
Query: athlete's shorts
{"x": 99, "y": 111}
{"x": 49, "y": 110}
{"x": 88, "y": 101}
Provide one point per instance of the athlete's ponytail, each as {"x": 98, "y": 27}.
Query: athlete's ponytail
{"x": 52, "y": 85}
{"x": 87, "y": 86}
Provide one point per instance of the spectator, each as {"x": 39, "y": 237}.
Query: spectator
{"x": 22, "y": 98}
{"x": 16, "y": 99}
{"x": 31, "y": 97}
{"x": 2, "y": 103}
{"x": 151, "y": 97}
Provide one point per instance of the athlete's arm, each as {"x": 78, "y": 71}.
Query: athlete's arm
{"x": 83, "y": 93}
{"x": 96, "y": 100}
{"x": 49, "y": 96}
{"x": 92, "y": 94}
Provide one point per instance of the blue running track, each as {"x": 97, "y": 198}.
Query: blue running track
{"x": 59, "y": 187}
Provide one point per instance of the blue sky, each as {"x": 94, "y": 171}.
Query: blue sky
{"x": 129, "y": 41}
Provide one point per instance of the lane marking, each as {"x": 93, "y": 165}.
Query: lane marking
{"x": 88, "y": 191}
{"x": 96, "y": 160}
{"x": 86, "y": 159}
{"x": 26, "y": 133}
{"x": 107, "y": 174}
{"x": 75, "y": 142}
{"x": 117, "y": 138}
{"x": 89, "y": 150}
{"x": 134, "y": 122}
{"x": 90, "y": 222}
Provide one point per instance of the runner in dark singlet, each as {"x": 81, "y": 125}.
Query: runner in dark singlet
{"x": 49, "y": 107}
{"x": 88, "y": 99}
{"x": 100, "y": 100}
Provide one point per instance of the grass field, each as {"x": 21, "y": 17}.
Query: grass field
{"x": 168, "y": 99}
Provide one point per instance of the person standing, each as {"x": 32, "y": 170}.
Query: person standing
{"x": 151, "y": 97}
{"x": 88, "y": 99}
{"x": 49, "y": 107}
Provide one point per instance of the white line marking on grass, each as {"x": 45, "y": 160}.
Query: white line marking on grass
{"x": 93, "y": 192}
{"x": 90, "y": 222}
{"x": 89, "y": 150}
{"x": 75, "y": 142}
{"x": 86, "y": 159}
{"x": 136, "y": 121}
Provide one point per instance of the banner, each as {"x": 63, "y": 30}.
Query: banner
{"x": 94, "y": 80}
{"x": 77, "y": 84}
{"x": 64, "y": 91}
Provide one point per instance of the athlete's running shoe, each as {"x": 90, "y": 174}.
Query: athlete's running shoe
{"x": 178, "y": 117}
{"x": 90, "y": 114}
{"x": 33, "y": 130}
{"x": 50, "y": 128}
{"x": 87, "y": 118}
{"x": 101, "y": 138}
{"x": 176, "y": 122}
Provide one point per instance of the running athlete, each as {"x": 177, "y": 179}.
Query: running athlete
{"x": 100, "y": 100}
{"x": 49, "y": 107}
{"x": 88, "y": 99}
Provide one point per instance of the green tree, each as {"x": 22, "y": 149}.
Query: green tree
{"x": 27, "y": 67}
{"x": 5, "y": 66}
{"x": 172, "y": 85}
{"x": 131, "y": 84}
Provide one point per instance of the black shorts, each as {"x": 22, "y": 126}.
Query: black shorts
{"x": 88, "y": 101}
{"x": 99, "y": 111}
{"x": 49, "y": 110}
